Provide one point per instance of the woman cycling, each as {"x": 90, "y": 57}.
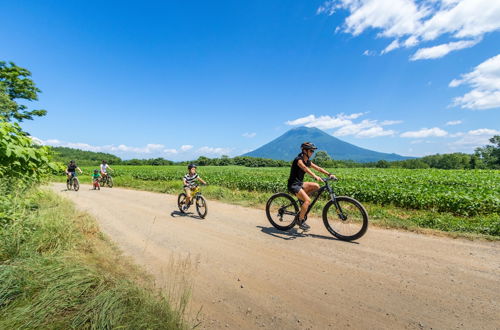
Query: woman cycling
{"x": 296, "y": 185}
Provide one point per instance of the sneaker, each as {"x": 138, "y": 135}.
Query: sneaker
{"x": 302, "y": 225}
{"x": 184, "y": 207}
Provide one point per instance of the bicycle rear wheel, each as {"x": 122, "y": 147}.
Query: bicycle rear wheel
{"x": 181, "y": 200}
{"x": 69, "y": 184}
{"x": 76, "y": 184}
{"x": 201, "y": 206}
{"x": 347, "y": 223}
{"x": 281, "y": 210}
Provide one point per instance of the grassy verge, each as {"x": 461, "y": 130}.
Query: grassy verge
{"x": 58, "y": 271}
{"x": 387, "y": 216}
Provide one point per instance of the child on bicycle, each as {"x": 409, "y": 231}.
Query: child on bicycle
{"x": 296, "y": 184}
{"x": 189, "y": 181}
{"x": 96, "y": 176}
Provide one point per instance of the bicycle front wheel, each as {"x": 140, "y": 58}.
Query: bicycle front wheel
{"x": 281, "y": 210}
{"x": 181, "y": 200}
{"x": 201, "y": 206}
{"x": 76, "y": 184}
{"x": 69, "y": 184}
{"x": 110, "y": 182}
{"x": 348, "y": 221}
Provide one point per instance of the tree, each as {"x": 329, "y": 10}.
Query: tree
{"x": 15, "y": 84}
{"x": 19, "y": 157}
{"x": 322, "y": 158}
{"x": 490, "y": 154}
{"x": 383, "y": 164}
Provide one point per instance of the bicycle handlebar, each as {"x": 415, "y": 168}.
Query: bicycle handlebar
{"x": 329, "y": 179}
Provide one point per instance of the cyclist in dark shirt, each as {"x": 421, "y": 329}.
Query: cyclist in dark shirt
{"x": 71, "y": 170}
{"x": 296, "y": 185}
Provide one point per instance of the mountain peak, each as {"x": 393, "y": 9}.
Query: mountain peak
{"x": 286, "y": 147}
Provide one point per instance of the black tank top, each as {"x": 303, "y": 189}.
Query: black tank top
{"x": 72, "y": 168}
{"x": 296, "y": 173}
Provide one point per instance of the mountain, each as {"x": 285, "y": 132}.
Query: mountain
{"x": 287, "y": 146}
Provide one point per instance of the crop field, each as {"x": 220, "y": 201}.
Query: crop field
{"x": 460, "y": 192}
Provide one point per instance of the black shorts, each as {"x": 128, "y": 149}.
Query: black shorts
{"x": 295, "y": 187}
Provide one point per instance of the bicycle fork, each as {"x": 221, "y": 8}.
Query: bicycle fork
{"x": 340, "y": 213}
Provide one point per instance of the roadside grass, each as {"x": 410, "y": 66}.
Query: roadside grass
{"x": 385, "y": 216}
{"x": 58, "y": 271}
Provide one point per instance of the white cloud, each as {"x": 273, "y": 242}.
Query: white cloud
{"x": 148, "y": 151}
{"x": 425, "y": 132}
{"x": 205, "y": 151}
{"x": 249, "y": 135}
{"x": 442, "y": 50}
{"x": 416, "y": 22}
{"x": 485, "y": 83}
{"x": 149, "y": 148}
{"x": 345, "y": 125}
{"x": 325, "y": 122}
{"x": 119, "y": 149}
{"x": 369, "y": 53}
{"x": 453, "y": 123}
{"x": 393, "y": 45}
{"x": 473, "y": 139}
{"x": 484, "y": 131}
{"x": 366, "y": 128}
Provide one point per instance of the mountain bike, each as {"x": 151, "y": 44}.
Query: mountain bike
{"x": 344, "y": 217}
{"x": 106, "y": 180}
{"x": 197, "y": 198}
{"x": 73, "y": 183}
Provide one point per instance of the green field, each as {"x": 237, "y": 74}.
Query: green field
{"x": 448, "y": 200}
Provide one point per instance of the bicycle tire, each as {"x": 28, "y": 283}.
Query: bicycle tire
{"x": 180, "y": 201}
{"x": 69, "y": 184}
{"x": 201, "y": 206}
{"x": 110, "y": 182}
{"x": 76, "y": 184}
{"x": 284, "y": 204}
{"x": 355, "y": 222}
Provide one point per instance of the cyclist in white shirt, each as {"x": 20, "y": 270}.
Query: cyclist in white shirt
{"x": 104, "y": 168}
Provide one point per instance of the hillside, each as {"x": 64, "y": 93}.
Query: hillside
{"x": 82, "y": 157}
{"x": 287, "y": 146}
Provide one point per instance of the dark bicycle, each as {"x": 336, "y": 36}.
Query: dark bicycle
{"x": 73, "y": 183}
{"x": 106, "y": 180}
{"x": 344, "y": 217}
{"x": 197, "y": 198}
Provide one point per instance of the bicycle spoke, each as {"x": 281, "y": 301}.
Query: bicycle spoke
{"x": 281, "y": 210}
{"x": 349, "y": 221}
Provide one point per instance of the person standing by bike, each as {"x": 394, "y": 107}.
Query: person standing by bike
{"x": 104, "y": 168}
{"x": 189, "y": 181}
{"x": 296, "y": 185}
{"x": 95, "y": 179}
{"x": 71, "y": 170}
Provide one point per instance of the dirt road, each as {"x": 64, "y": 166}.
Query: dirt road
{"x": 247, "y": 275}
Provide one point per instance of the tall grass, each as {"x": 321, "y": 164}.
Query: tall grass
{"x": 58, "y": 271}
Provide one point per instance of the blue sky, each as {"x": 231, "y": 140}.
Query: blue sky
{"x": 178, "y": 79}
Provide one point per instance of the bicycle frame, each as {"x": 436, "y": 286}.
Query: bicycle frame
{"x": 318, "y": 193}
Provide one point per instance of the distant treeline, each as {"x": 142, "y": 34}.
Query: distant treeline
{"x": 82, "y": 157}
{"x": 487, "y": 157}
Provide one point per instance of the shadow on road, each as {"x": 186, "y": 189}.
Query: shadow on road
{"x": 294, "y": 234}
{"x": 175, "y": 214}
